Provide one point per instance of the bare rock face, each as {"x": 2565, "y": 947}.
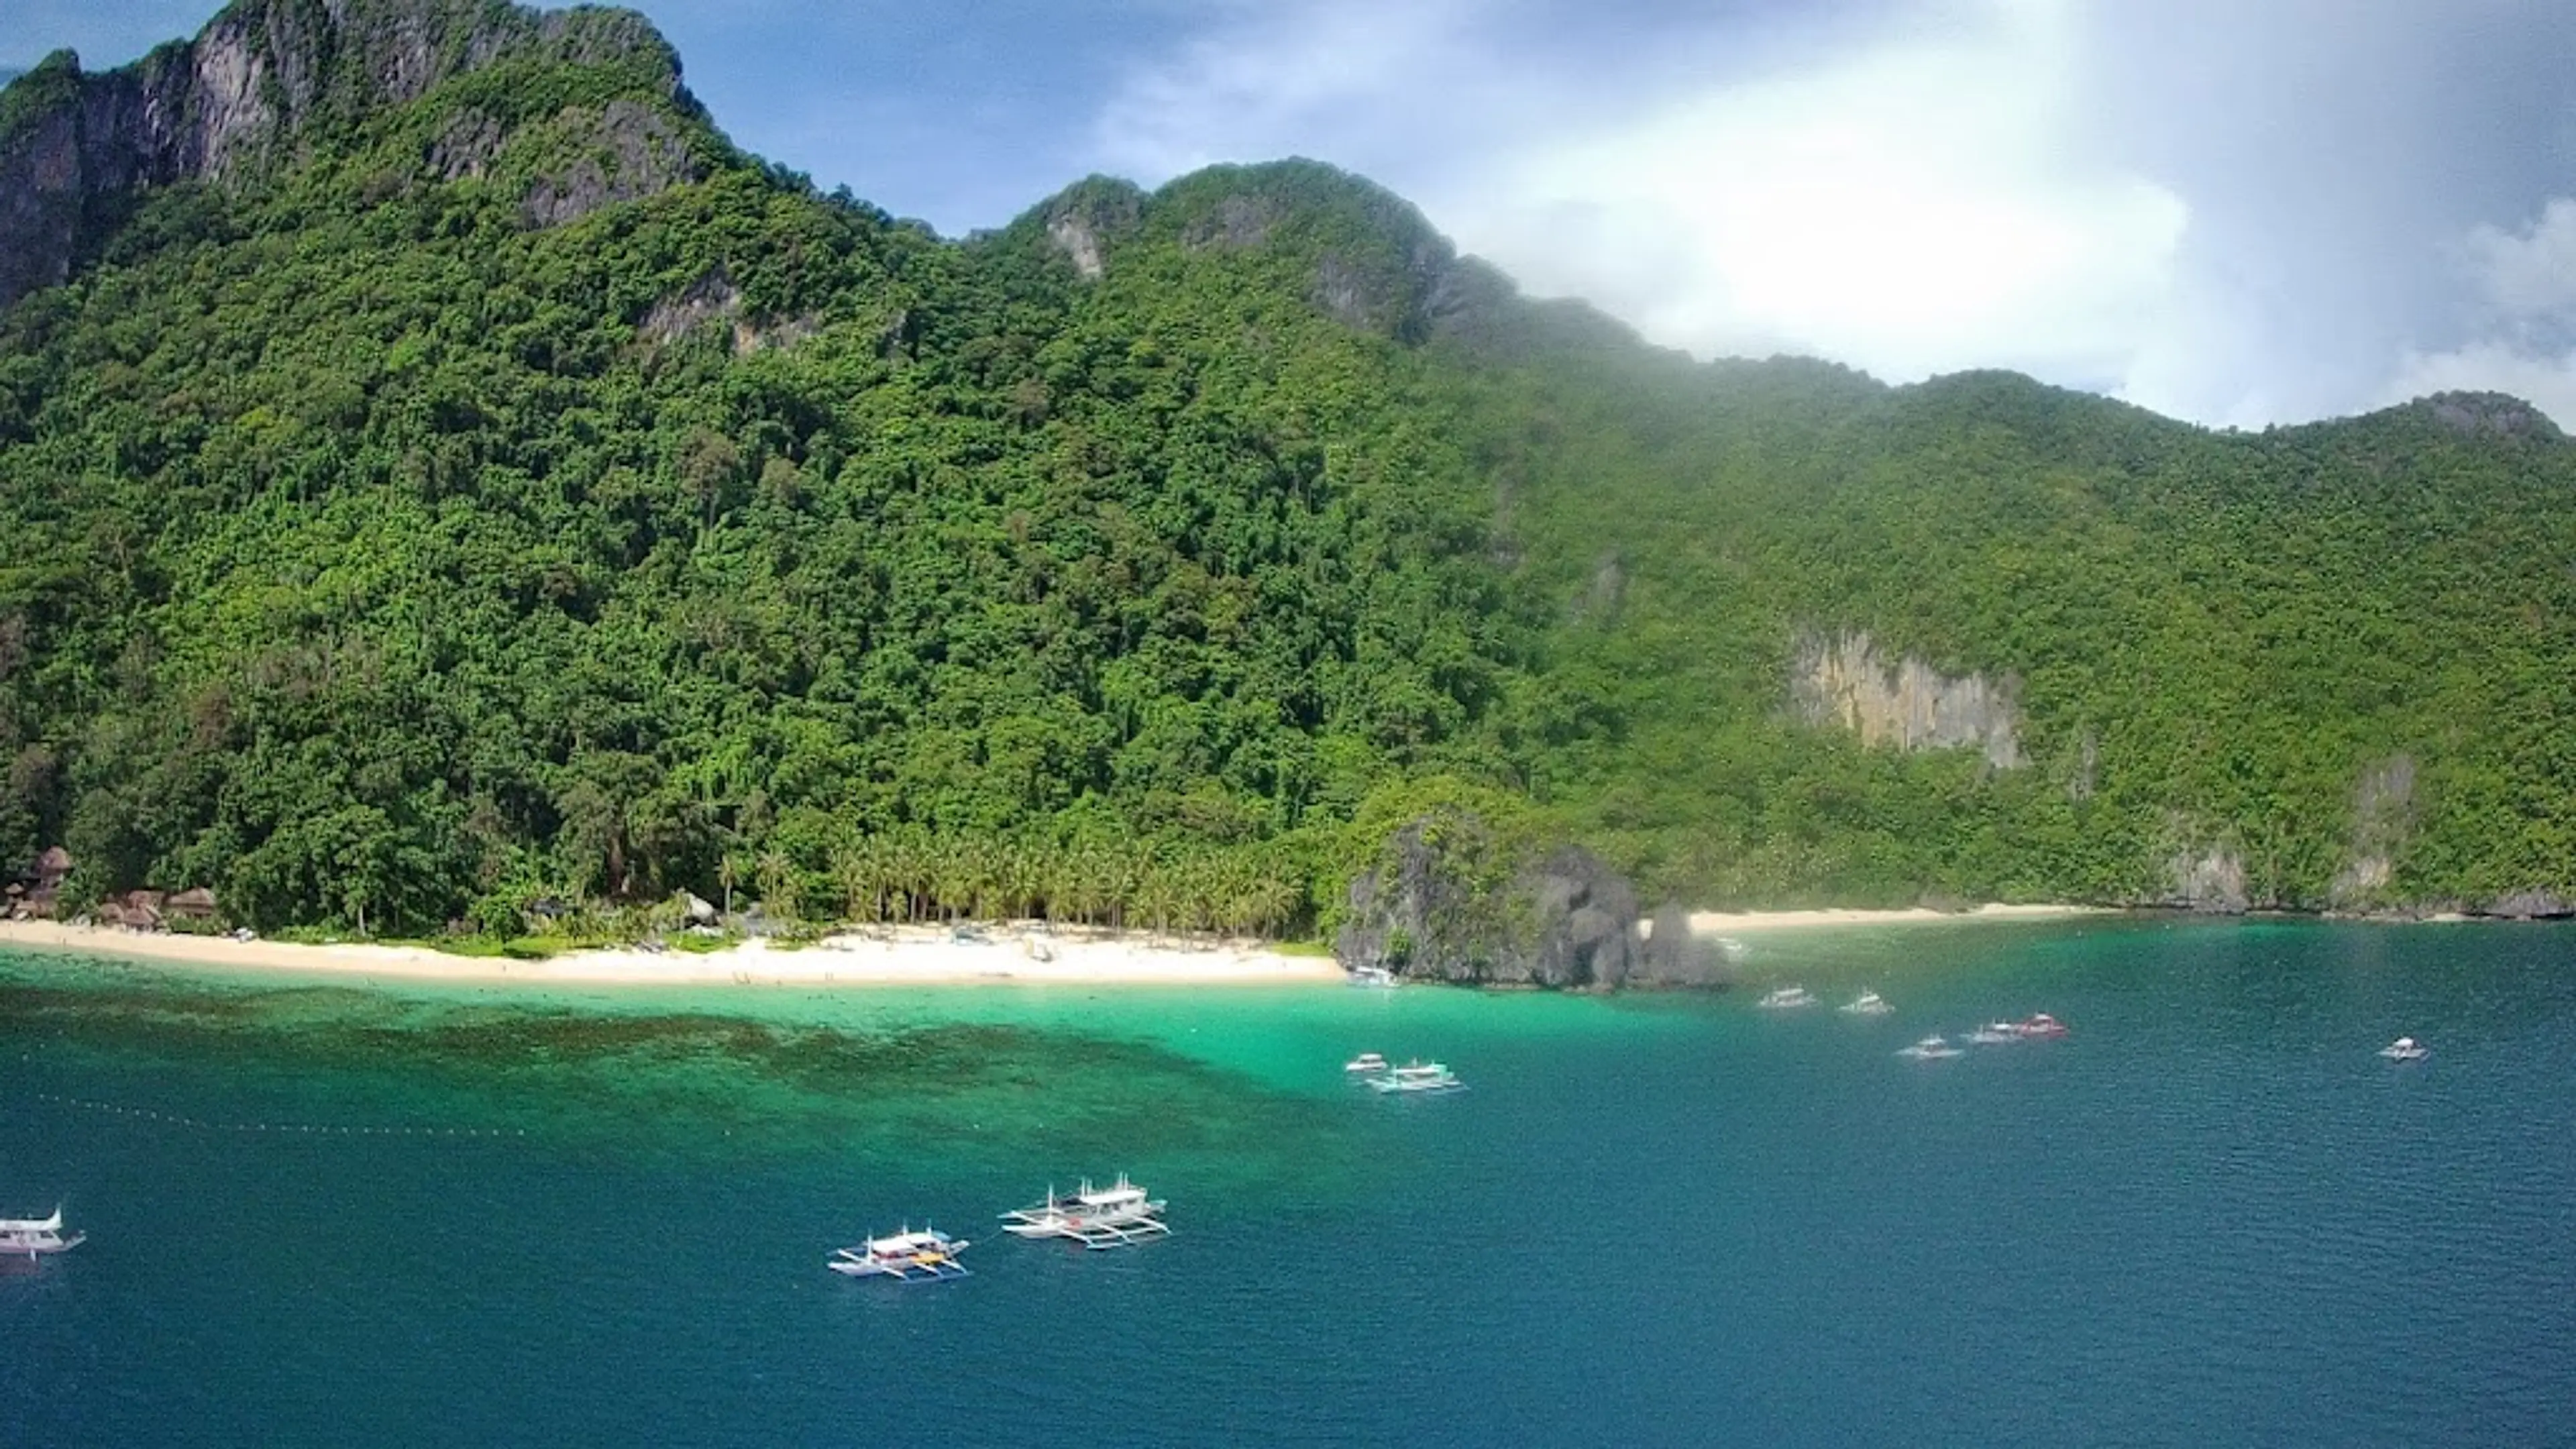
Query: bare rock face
{"x": 469, "y": 143}
{"x": 1904, "y": 702}
{"x": 1237, "y": 224}
{"x": 1444, "y": 906}
{"x": 2383, "y": 819}
{"x": 2532, "y": 905}
{"x": 2210, "y": 881}
{"x": 629, "y": 152}
{"x": 2490, "y": 413}
{"x": 238, "y": 100}
{"x": 1085, "y": 221}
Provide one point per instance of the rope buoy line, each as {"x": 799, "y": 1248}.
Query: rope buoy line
{"x": 321, "y": 1129}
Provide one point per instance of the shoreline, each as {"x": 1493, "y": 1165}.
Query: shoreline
{"x": 1727, "y": 923}
{"x": 1021, "y": 953}
{"x": 888, "y": 956}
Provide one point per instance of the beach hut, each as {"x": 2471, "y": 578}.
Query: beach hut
{"x": 43, "y": 882}
{"x": 196, "y": 903}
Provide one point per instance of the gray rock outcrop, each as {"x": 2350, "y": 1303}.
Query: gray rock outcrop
{"x": 1565, "y": 921}
{"x": 2211, "y": 881}
{"x": 1904, "y": 702}
{"x": 239, "y": 100}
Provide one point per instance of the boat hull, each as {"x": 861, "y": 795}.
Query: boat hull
{"x": 43, "y": 1247}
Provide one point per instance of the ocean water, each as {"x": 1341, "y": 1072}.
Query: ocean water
{"x": 326, "y": 1215}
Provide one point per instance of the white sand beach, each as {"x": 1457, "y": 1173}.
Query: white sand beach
{"x": 1021, "y": 952}
{"x": 1731, "y": 923}
{"x": 888, "y": 956}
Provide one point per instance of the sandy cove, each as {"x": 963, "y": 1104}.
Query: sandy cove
{"x": 1730, "y": 923}
{"x": 890, "y": 956}
{"x": 1021, "y": 953}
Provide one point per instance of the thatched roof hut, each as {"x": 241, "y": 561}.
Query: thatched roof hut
{"x": 196, "y": 903}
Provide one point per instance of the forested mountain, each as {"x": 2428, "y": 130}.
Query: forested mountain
{"x": 440, "y": 471}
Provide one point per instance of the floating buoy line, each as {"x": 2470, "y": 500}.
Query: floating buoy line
{"x": 308, "y": 1129}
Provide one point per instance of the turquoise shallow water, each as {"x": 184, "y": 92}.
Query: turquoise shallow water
{"x": 2211, "y": 1215}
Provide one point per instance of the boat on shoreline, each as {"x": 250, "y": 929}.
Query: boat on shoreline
{"x": 1786, "y": 998}
{"x": 905, "y": 1256}
{"x": 1371, "y": 976}
{"x": 36, "y": 1237}
{"x": 1110, "y": 1217}
{"x": 2405, "y": 1049}
{"x": 1931, "y": 1048}
{"x": 1417, "y": 1077}
{"x": 1868, "y": 1003}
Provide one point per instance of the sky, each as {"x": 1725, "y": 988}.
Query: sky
{"x": 2241, "y": 212}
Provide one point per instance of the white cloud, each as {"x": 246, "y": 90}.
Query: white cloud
{"x": 1906, "y": 207}
{"x": 2529, "y": 275}
{"x": 1903, "y": 202}
{"x": 1277, "y": 81}
{"x": 2526, "y": 344}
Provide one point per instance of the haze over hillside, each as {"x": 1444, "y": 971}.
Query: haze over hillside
{"x": 447, "y": 474}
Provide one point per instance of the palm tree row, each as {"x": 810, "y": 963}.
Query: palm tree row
{"x": 914, "y": 875}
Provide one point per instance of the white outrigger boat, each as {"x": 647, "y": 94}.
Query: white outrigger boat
{"x": 1418, "y": 1077}
{"x": 1110, "y": 1217}
{"x": 1931, "y": 1048}
{"x": 1369, "y": 1062}
{"x": 35, "y": 1237}
{"x": 1787, "y": 997}
{"x": 906, "y": 1257}
{"x": 2405, "y": 1049}
{"x": 1996, "y": 1033}
{"x": 1868, "y": 1003}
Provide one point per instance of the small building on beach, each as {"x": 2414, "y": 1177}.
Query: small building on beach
{"x": 39, "y": 885}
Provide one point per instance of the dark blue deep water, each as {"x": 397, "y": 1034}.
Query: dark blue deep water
{"x": 2211, "y": 1215}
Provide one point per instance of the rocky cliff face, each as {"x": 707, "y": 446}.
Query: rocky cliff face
{"x": 2383, "y": 820}
{"x": 1566, "y": 921}
{"x": 1903, "y": 702}
{"x": 257, "y": 81}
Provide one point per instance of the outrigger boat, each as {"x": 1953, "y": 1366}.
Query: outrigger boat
{"x": 2405, "y": 1049}
{"x": 1930, "y": 1049}
{"x": 1868, "y": 1003}
{"x": 1111, "y": 1217}
{"x": 906, "y": 1257}
{"x": 37, "y": 1236}
{"x": 1365, "y": 1062}
{"x": 2041, "y": 1024}
{"x": 1996, "y": 1033}
{"x": 1786, "y": 997}
{"x": 1418, "y": 1077}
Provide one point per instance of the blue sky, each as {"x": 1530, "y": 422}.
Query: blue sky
{"x": 2236, "y": 212}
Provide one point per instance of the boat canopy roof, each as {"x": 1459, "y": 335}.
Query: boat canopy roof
{"x": 899, "y": 1242}
{"x": 52, "y": 1224}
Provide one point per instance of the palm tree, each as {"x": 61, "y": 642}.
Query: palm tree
{"x": 778, "y": 884}
{"x": 855, "y": 868}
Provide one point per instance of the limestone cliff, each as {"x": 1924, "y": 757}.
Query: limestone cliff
{"x": 265, "y": 76}
{"x": 1446, "y": 905}
{"x": 1903, "y": 702}
{"x": 2383, "y": 820}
